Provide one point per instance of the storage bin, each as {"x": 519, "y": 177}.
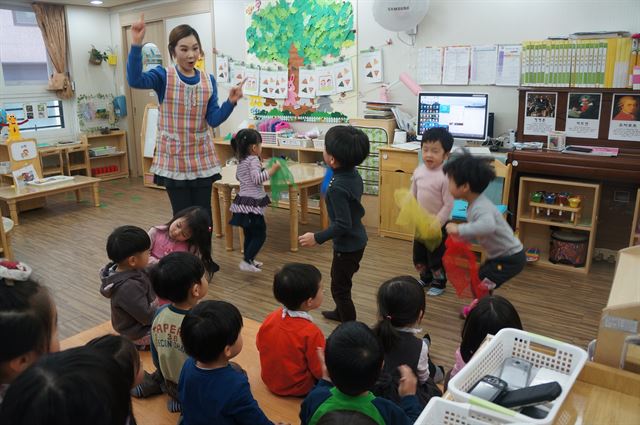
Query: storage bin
{"x": 568, "y": 248}
{"x": 269, "y": 138}
{"x": 446, "y": 412}
{"x": 540, "y": 351}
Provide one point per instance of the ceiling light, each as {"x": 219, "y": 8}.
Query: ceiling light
{"x": 96, "y": 2}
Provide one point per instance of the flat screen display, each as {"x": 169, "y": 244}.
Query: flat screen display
{"x": 465, "y": 115}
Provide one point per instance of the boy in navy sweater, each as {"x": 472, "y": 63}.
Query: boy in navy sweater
{"x": 211, "y": 390}
{"x": 353, "y": 358}
{"x": 344, "y": 148}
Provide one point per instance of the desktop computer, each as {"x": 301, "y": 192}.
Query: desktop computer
{"x": 465, "y": 115}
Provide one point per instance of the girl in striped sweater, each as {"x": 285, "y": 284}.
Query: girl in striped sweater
{"x": 250, "y": 202}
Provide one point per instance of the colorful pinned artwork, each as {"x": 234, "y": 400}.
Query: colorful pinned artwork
{"x": 371, "y": 66}
{"x": 252, "y": 84}
{"x": 222, "y": 69}
{"x": 236, "y": 73}
{"x": 343, "y": 76}
{"x": 308, "y": 83}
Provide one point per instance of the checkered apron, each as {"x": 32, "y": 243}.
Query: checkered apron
{"x": 184, "y": 147}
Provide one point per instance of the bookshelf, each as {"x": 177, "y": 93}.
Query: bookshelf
{"x": 111, "y": 166}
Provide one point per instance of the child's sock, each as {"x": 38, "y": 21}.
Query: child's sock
{"x": 150, "y": 386}
{"x": 174, "y": 405}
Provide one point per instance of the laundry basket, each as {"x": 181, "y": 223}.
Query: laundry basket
{"x": 540, "y": 351}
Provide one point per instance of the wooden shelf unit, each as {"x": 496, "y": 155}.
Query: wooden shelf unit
{"x": 51, "y": 161}
{"x": 536, "y": 232}
{"x": 100, "y": 165}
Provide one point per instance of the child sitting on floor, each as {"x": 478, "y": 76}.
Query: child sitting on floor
{"x": 28, "y": 322}
{"x": 401, "y": 307}
{"x": 189, "y": 230}
{"x": 126, "y": 284}
{"x": 490, "y": 315}
{"x": 288, "y": 339}
{"x": 211, "y": 390}
{"x": 354, "y": 359}
{"x": 179, "y": 277}
{"x": 468, "y": 177}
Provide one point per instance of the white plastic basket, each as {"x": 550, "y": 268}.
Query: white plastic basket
{"x": 540, "y": 351}
{"x": 269, "y": 138}
{"x": 446, "y": 412}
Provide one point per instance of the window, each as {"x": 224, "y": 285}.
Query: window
{"x": 22, "y": 50}
{"x": 24, "y": 75}
{"x": 42, "y": 115}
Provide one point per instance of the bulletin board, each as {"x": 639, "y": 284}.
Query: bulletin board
{"x": 95, "y": 111}
{"x": 300, "y": 60}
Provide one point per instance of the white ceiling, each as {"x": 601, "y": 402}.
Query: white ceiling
{"x": 105, "y": 3}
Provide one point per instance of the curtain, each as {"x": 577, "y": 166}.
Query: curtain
{"x": 52, "y": 23}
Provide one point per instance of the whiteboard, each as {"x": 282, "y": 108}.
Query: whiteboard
{"x": 150, "y": 130}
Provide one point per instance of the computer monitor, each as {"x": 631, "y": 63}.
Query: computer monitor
{"x": 466, "y": 115}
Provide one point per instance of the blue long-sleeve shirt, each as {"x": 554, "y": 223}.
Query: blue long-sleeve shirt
{"x": 156, "y": 79}
{"x": 217, "y": 396}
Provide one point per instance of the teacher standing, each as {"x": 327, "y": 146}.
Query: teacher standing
{"x": 184, "y": 162}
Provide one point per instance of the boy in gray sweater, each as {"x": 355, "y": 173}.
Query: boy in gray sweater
{"x": 468, "y": 177}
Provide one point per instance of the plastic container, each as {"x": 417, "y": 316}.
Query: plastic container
{"x": 269, "y": 138}
{"x": 446, "y": 412}
{"x": 318, "y": 144}
{"x": 569, "y": 248}
{"x": 540, "y": 351}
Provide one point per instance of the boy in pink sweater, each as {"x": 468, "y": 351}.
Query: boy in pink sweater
{"x": 430, "y": 187}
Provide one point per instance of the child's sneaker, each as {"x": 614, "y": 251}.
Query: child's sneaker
{"x": 464, "y": 312}
{"x": 248, "y": 267}
{"x": 257, "y": 263}
{"x": 434, "y": 291}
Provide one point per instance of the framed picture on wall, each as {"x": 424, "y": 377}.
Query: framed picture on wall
{"x": 556, "y": 140}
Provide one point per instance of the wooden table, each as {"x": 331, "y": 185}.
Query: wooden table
{"x": 11, "y": 196}
{"x": 304, "y": 176}
{"x": 153, "y": 410}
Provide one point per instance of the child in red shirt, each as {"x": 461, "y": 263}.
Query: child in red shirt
{"x": 288, "y": 340}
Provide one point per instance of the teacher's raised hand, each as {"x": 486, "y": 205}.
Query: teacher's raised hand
{"x": 235, "y": 93}
{"x": 137, "y": 31}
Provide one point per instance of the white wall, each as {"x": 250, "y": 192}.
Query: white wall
{"x": 450, "y": 22}
{"x": 87, "y": 26}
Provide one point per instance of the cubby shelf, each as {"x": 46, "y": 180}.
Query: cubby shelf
{"x": 535, "y": 232}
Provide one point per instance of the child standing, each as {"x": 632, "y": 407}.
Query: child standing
{"x": 189, "y": 230}
{"x": 468, "y": 177}
{"x": 354, "y": 359}
{"x": 250, "y": 202}
{"x": 344, "y": 148}
{"x": 126, "y": 284}
{"x": 211, "y": 390}
{"x": 401, "y": 307}
{"x": 430, "y": 187}
{"x": 288, "y": 339}
{"x": 492, "y": 314}
{"x": 28, "y": 323}
{"x": 180, "y": 278}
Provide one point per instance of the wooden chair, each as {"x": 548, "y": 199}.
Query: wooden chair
{"x": 6, "y": 225}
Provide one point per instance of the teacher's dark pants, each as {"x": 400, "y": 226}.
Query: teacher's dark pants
{"x": 188, "y": 193}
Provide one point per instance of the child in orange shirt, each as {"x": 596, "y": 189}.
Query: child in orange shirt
{"x": 288, "y": 339}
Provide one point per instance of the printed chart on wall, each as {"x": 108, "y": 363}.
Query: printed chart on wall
{"x": 540, "y": 114}
{"x": 301, "y": 56}
{"x": 583, "y": 115}
{"x": 625, "y": 117}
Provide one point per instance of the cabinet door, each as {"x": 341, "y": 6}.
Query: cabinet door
{"x": 389, "y": 183}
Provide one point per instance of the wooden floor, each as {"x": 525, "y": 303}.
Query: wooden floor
{"x": 65, "y": 244}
